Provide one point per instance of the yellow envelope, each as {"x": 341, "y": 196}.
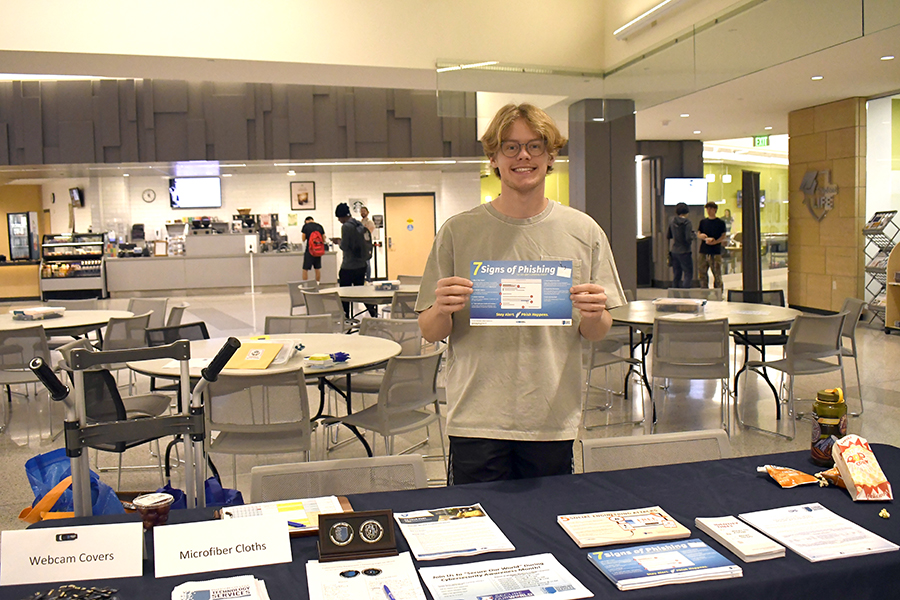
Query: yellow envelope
{"x": 254, "y": 355}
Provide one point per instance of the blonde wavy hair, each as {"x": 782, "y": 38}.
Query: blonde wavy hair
{"x": 536, "y": 118}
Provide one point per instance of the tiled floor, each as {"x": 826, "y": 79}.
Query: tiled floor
{"x": 686, "y": 406}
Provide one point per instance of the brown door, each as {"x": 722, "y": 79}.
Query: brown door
{"x": 409, "y": 232}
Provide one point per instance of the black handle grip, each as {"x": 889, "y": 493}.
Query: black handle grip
{"x": 58, "y": 390}
{"x": 211, "y": 373}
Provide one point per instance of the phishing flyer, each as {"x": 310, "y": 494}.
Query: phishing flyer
{"x": 521, "y": 293}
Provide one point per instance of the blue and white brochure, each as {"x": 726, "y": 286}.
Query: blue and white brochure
{"x": 652, "y": 565}
{"x": 521, "y": 293}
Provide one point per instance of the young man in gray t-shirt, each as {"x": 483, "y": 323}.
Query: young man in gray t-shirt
{"x": 514, "y": 393}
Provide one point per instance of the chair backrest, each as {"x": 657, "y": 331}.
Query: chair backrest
{"x": 409, "y": 383}
{"x": 326, "y": 303}
{"x": 409, "y": 279}
{"x": 261, "y": 404}
{"x": 85, "y": 304}
{"x": 176, "y": 314}
{"x": 690, "y": 349}
{"x": 612, "y": 454}
{"x": 295, "y": 292}
{"x": 123, "y": 333}
{"x": 337, "y": 477}
{"x": 299, "y": 324}
{"x": 160, "y": 336}
{"x": 701, "y": 293}
{"x": 854, "y": 308}
{"x": 770, "y": 297}
{"x": 629, "y": 295}
{"x": 19, "y": 346}
{"x": 405, "y": 332}
{"x": 403, "y": 305}
{"x": 139, "y": 306}
{"x": 814, "y": 337}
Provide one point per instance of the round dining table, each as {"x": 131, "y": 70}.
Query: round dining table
{"x": 742, "y": 316}
{"x": 72, "y": 322}
{"x": 368, "y": 293}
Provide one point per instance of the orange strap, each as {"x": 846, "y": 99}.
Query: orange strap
{"x": 41, "y": 510}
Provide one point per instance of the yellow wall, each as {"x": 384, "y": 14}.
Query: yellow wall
{"x": 19, "y": 281}
{"x": 773, "y": 179}
{"x": 556, "y": 186}
{"x": 826, "y": 258}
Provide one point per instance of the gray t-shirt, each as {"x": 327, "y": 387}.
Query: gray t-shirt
{"x": 517, "y": 383}
{"x": 351, "y": 242}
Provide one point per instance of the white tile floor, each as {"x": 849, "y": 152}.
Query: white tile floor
{"x": 687, "y": 405}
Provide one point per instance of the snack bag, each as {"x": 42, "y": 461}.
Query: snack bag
{"x": 787, "y": 478}
{"x": 860, "y": 471}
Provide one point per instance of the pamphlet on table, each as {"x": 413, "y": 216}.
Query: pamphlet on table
{"x": 301, "y": 515}
{"x": 816, "y": 533}
{"x": 254, "y": 355}
{"x": 652, "y": 565}
{"x": 243, "y": 586}
{"x": 534, "y": 576}
{"x": 622, "y": 527}
{"x": 748, "y": 544}
{"x": 453, "y": 531}
{"x": 521, "y": 293}
{"x": 365, "y": 579}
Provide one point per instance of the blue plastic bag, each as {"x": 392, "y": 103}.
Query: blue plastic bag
{"x": 216, "y": 495}
{"x": 46, "y": 470}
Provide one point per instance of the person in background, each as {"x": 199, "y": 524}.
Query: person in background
{"x": 310, "y": 261}
{"x": 514, "y": 393}
{"x": 712, "y": 234}
{"x": 353, "y": 266}
{"x": 681, "y": 232}
{"x": 370, "y": 225}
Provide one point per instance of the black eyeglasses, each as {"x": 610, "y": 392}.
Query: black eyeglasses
{"x": 511, "y": 149}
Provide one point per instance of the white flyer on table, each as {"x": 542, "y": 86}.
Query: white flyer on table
{"x": 816, "y": 533}
{"x": 521, "y": 577}
{"x": 365, "y": 579}
{"x": 453, "y": 531}
{"x": 242, "y": 586}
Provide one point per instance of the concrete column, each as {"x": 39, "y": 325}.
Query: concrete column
{"x": 602, "y": 175}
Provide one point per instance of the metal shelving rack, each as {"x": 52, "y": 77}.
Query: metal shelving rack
{"x": 881, "y": 235}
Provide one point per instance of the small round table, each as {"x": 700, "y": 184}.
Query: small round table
{"x": 72, "y": 322}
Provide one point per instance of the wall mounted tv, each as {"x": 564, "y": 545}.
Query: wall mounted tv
{"x": 195, "y": 192}
{"x": 76, "y": 195}
{"x": 690, "y": 190}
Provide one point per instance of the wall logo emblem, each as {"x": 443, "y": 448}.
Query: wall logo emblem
{"x": 818, "y": 195}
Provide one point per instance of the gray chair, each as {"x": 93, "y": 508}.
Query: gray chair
{"x": 17, "y": 348}
{"x": 613, "y": 454}
{"x": 327, "y": 303}
{"x": 403, "y": 305}
{"x": 408, "y": 388}
{"x": 156, "y": 306}
{"x": 603, "y": 355}
{"x": 337, "y": 477}
{"x": 699, "y": 293}
{"x": 813, "y": 348}
{"x": 262, "y": 414}
{"x": 126, "y": 333}
{"x": 694, "y": 351}
{"x": 298, "y": 324}
{"x": 405, "y": 332}
{"x": 409, "y": 279}
{"x": 854, "y": 308}
{"x": 176, "y": 314}
{"x": 295, "y": 292}
{"x": 761, "y": 340}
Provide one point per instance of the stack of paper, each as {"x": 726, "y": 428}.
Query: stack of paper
{"x": 300, "y": 515}
{"x": 243, "y": 586}
{"x": 38, "y": 312}
{"x": 749, "y": 544}
{"x": 689, "y": 305}
{"x": 652, "y": 565}
{"x": 622, "y": 526}
{"x": 451, "y": 531}
{"x": 816, "y": 533}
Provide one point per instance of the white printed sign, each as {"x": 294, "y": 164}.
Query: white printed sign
{"x": 71, "y": 553}
{"x": 219, "y": 545}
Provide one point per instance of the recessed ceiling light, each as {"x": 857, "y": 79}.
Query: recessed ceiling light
{"x": 817, "y": 78}
{"x": 125, "y": 175}
{"x": 291, "y": 173}
{"x": 696, "y": 132}
{"x": 600, "y": 120}
{"x": 226, "y": 174}
{"x": 888, "y": 57}
{"x": 769, "y": 128}
{"x": 684, "y": 115}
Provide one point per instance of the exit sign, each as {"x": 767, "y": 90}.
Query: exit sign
{"x": 760, "y": 140}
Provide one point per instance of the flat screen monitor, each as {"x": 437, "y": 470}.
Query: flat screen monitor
{"x": 690, "y": 190}
{"x": 76, "y": 196}
{"x": 195, "y": 192}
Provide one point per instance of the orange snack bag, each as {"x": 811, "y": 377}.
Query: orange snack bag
{"x": 787, "y": 478}
{"x": 832, "y": 476}
{"x": 860, "y": 471}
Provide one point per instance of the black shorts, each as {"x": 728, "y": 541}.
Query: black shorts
{"x": 311, "y": 262}
{"x": 476, "y": 459}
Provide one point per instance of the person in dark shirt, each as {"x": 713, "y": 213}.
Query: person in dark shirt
{"x": 310, "y": 261}
{"x": 681, "y": 232}
{"x": 353, "y": 266}
{"x": 713, "y": 233}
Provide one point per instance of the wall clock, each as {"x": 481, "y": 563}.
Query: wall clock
{"x": 148, "y": 195}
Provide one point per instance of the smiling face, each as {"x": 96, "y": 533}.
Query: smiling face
{"x": 522, "y": 173}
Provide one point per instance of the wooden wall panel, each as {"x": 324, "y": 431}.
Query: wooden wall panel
{"x": 110, "y": 121}
{"x": 4, "y": 144}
